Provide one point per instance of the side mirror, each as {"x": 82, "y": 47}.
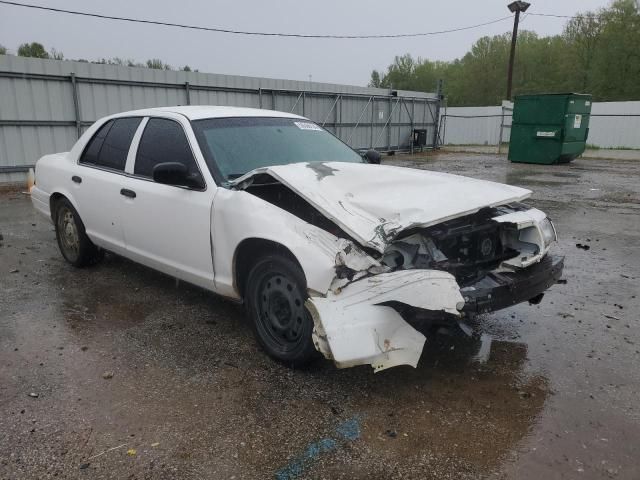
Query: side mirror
{"x": 372, "y": 156}
{"x": 175, "y": 173}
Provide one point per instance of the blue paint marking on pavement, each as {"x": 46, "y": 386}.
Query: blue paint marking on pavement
{"x": 347, "y": 431}
{"x": 350, "y": 429}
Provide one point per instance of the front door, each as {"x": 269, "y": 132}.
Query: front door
{"x": 168, "y": 227}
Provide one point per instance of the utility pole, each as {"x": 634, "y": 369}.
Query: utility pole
{"x": 514, "y": 7}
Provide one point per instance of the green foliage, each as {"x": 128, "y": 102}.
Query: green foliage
{"x": 56, "y": 55}
{"x": 33, "y": 49}
{"x": 37, "y": 50}
{"x": 158, "y": 64}
{"x": 597, "y": 53}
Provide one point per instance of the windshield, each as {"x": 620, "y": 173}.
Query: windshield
{"x": 235, "y": 146}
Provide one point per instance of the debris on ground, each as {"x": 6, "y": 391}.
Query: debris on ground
{"x": 391, "y": 433}
{"x": 107, "y": 375}
{"x": 131, "y": 452}
{"x": 612, "y": 317}
{"x": 583, "y": 246}
{"x": 106, "y": 451}
{"x": 34, "y": 395}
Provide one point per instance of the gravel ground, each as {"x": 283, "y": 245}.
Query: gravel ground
{"x": 117, "y": 371}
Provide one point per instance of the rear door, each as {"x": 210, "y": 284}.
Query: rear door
{"x": 99, "y": 180}
{"x": 168, "y": 227}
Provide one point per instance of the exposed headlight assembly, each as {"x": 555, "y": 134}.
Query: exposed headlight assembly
{"x": 548, "y": 232}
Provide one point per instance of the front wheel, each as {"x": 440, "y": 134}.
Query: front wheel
{"x": 75, "y": 245}
{"x": 275, "y": 295}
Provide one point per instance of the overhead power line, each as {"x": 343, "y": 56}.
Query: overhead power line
{"x": 559, "y": 16}
{"x": 246, "y": 32}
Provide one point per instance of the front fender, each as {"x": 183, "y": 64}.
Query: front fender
{"x": 239, "y": 216}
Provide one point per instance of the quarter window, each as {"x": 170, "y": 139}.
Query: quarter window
{"x": 163, "y": 141}
{"x": 110, "y": 145}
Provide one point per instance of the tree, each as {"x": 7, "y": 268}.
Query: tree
{"x": 596, "y": 53}
{"x": 56, "y": 55}
{"x": 157, "y": 64}
{"x": 186, "y": 68}
{"x": 375, "y": 79}
{"x": 33, "y": 49}
{"x": 582, "y": 35}
{"x": 3, "y": 50}
{"x": 616, "y": 62}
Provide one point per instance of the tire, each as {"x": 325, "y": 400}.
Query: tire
{"x": 73, "y": 242}
{"x": 274, "y": 297}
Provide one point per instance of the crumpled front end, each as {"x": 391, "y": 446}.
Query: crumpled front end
{"x": 458, "y": 268}
{"x": 362, "y": 325}
{"x": 395, "y": 255}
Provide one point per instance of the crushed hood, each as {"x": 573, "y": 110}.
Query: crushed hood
{"x": 373, "y": 203}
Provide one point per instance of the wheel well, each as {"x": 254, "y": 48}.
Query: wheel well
{"x": 53, "y": 199}
{"x": 248, "y": 252}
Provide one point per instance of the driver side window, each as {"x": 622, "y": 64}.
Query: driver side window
{"x": 162, "y": 141}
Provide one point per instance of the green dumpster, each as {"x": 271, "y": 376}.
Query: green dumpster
{"x": 549, "y": 128}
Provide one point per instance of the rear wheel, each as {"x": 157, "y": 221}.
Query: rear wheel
{"x": 275, "y": 295}
{"x": 73, "y": 242}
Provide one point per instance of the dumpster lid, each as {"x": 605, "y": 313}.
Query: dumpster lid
{"x": 567, "y": 94}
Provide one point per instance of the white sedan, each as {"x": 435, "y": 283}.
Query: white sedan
{"x": 329, "y": 251}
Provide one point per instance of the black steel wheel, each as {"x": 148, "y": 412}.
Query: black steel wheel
{"x": 275, "y": 295}
{"x": 73, "y": 242}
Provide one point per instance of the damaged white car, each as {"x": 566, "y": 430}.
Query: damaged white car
{"x": 329, "y": 251}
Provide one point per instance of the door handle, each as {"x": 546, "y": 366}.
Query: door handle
{"x": 128, "y": 193}
{"x": 76, "y": 179}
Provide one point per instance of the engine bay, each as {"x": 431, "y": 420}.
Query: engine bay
{"x": 468, "y": 247}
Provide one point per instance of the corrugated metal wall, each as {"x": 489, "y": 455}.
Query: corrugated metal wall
{"x": 44, "y": 104}
{"x": 474, "y": 125}
{"x": 612, "y": 125}
{"x": 615, "y": 125}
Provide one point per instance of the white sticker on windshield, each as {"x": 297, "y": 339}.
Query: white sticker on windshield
{"x": 307, "y": 126}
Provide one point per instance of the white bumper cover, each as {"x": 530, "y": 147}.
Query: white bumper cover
{"x": 353, "y": 328}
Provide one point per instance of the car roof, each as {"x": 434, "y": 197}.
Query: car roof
{"x": 198, "y": 112}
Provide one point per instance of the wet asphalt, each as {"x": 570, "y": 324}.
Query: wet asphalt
{"x": 116, "y": 371}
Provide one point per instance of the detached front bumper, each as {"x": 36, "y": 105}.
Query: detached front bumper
{"x": 501, "y": 290}
{"x": 361, "y": 324}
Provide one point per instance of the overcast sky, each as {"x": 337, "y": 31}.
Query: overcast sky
{"x": 335, "y": 61}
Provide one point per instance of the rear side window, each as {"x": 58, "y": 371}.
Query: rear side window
{"x": 110, "y": 145}
{"x": 163, "y": 141}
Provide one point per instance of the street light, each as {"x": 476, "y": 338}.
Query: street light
{"x": 514, "y": 7}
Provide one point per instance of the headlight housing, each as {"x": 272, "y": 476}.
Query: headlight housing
{"x": 548, "y": 232}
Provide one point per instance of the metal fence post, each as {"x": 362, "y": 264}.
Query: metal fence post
{"x": 413, "y": 112}
{"x": 501, "y": 127}
{"x": 260, "y": 97}
{"x": 390, "y": 123}
{"x": 339, "y": 126}
{"x": 335, "y": 118}
{"x": 76, "y": 104}
{"x": 187, "y": 92}
{"x": 373, "y": 103}
{"x": 437, "y": 115}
